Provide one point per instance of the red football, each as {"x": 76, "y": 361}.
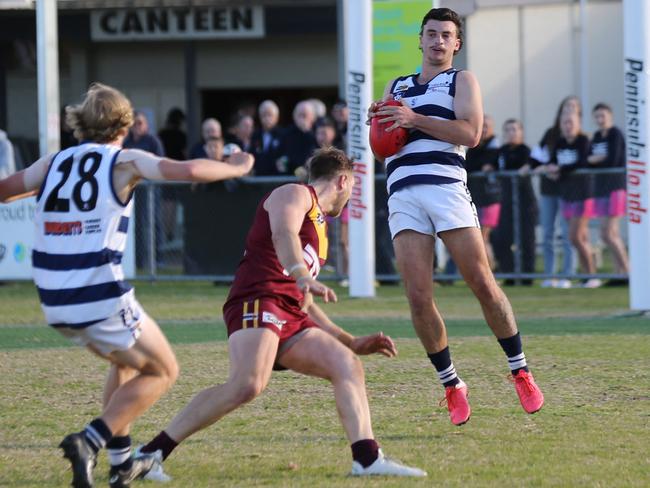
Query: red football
{"x": 382, "y": 143}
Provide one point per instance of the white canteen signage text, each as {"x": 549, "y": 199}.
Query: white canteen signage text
{"x": 177, "y": 23}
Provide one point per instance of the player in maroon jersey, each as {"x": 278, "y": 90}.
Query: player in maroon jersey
{"x": 272, "y": 319}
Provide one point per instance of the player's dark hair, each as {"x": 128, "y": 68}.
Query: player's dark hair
{"x": 327, "y": 163}
{"x": 445, "y": 14}
{"x": 602, "y": 106}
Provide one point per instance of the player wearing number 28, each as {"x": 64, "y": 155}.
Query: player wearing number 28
{"x": 82, "y": 219}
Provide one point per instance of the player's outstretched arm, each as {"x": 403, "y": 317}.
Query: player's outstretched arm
{"x": 207, "y": 170}
{"x": 141, "y": 164}
{"x": 13, "y": 188}
{"x": 24, "y": 183}
{"x": 362, "y": 345}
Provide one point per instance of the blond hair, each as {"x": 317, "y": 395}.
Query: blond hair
{"x": 103, "y": 116}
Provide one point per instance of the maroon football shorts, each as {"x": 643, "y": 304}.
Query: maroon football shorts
{"x": 269, "y": 314}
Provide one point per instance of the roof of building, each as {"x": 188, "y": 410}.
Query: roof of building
{"x": 463, "y": 7}
{"x": 100, "y": 4}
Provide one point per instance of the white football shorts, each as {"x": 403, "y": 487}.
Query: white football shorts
{"x": 431, "y": 209}
{"x": 117, "y": 333}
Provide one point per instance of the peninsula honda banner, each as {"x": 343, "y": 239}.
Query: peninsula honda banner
{"x": 17, "y": 238}
{"x": 636, "y": 17}
{"x": 357, "y": 18}
{"x": 140, "y": 24}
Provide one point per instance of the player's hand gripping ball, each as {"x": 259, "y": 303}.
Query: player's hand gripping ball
{"x": 382, "y": 143}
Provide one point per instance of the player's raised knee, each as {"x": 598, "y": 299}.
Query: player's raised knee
{"x": 167, "y": 371}
{"x": 173, "y": 370}
{"x": 249, "y": 389}
{"x": 348, "y": 365}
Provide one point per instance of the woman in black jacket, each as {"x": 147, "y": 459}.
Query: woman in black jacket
{"x": 576, "y": 191}
{"x": 515, "y": 155}
{"x": 485, "y": 190}
{"x": 550, "y": 199}
{"x": 608, "y": 151}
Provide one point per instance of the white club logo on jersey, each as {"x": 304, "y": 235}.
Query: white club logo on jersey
{"x": 310, "y": 256}
{"x": 567, "y": 156}
{"x": 439, "y": 87}
{"x": 599, "y": 148}
{"x": 272, "y": 319}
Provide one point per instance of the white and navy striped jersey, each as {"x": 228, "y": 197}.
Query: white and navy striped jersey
{"x": 81, "y": 231}
{"x": 425, "y": 159}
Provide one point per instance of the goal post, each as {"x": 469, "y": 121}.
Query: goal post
{"x": 636, "y": 22}
{"x": 357, "y": 21}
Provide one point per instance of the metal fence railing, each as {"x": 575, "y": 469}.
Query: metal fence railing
{"x": 197, "y": 232}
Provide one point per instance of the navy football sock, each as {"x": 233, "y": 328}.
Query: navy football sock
{"x": 514, "y": 351}
{"x": 163, "y": 443}
{"x": 97, "y": 434}
{"x": 119, "y": 452}
{"x": 445, "y": 368}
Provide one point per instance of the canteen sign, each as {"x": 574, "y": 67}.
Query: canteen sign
{"x": 174, "y": 23}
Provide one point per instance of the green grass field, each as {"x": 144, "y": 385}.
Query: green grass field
{"x": 591, "y": 360}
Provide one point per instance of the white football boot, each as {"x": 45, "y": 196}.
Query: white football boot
{"x": 156, "y": 473}
{"x": 384, "y": 466}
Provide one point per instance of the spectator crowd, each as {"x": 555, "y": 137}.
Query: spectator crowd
{"x": 568, "y": 200}
{"x": 564, "y": 204}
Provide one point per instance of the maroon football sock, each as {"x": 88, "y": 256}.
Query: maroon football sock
{"x": 365, "y": 452}
{"x": 163, "y": 442}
